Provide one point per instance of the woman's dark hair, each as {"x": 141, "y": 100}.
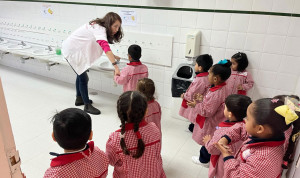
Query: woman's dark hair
{"x": 107, "y": 21}
{"x": 238, "y": 104}
{"x": 205, "y": 61}
{"x": 72, "y": 128}
{"x": 242, "y": 61}
{"x": 132, "y": 106}
{"x": 135, "y": 51}
{"x": 222, "y": 70}
{"x": 265, "y": 114}
{"x": 147, "y": 87}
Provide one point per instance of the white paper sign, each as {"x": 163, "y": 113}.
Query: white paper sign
{"x": 128, "y": 17}
{"x": 47, "y": 11}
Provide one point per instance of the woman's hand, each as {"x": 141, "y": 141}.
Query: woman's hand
{"x": 206, "y": 138}
{"x": 225, "y": 150}
{"x": 117, "y": 58}
{"x": 192, "y": 103}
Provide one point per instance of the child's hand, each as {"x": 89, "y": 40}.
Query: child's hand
{"x": 117, "y": 71}
{"x": 182, "y": 95}
{"x": 240, "y": 87}
{"x": 192, "y": 103}
{"x": 225, "y": 150}
{"x": 223, "y": 141}
{"x": 206, "y": 138}
{"x": 198, "y": 97}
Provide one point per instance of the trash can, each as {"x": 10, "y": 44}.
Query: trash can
{"x": 182, "y": 78}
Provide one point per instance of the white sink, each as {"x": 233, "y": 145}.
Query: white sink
{"x": 3, "y": 42}
{"x": 18, "y": 46}
{"x": 106, "y": 65}
{"x": 43, "y": 52}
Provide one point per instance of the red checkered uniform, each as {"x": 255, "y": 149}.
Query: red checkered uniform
{"x": 149, "y": 165}
{"x": 199, "y": 85}
{"x": 91, "y": 162}
{"x": 239, "y": 78}
{"x": 209, "y": 112}
{"x": 154, "y": 113}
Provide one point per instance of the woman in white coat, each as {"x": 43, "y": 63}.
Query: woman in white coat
{"x": 85, "y": 45}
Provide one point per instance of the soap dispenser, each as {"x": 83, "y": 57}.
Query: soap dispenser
{"x": 192, "y": 49}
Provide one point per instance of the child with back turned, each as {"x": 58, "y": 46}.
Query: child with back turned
{"x": 235, "y": 111}
{"x": 199, "y": 86}
{"x": 134, "y": 70}
{"x": 240, "y": 80}
{"x": 263, "y": 134}
{"x": 153, "y": 114}
{"x": 134, "y": 150}
{"x": 72, "y": 128}
{"x": 210, "y": 110}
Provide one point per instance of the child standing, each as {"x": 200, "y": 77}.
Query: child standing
{"x": 262, "y": 153}
{"x": 235, "y": 111}
{"x": 240, "y": 80}
{"x": 134, "y": 71}
{"x": 199, "y": 86}
{"x": 134, "y": 150}
{"x": 72, "y": 130}
{"x": 153, "y": 114}
{"x": 210, "y": 110}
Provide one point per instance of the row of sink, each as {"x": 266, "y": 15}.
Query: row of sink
{"x": 48, "y": 54}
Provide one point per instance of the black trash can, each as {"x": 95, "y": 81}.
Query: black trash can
{"x": 182, "y": 78}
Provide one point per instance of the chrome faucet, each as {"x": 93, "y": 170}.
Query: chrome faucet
{"x": 22, "y": 43}
{"x": 49, "y": 48}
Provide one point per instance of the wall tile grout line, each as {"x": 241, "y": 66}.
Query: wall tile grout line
{"x": 167, "y": 8}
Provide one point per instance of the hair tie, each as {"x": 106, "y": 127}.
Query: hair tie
{"x": 122, "y": 135}
{"x": 224, "y": 61}
{"x": 138, "y": 134}
{"x": 274, "y": 100}
{"x": 288, "y": 111}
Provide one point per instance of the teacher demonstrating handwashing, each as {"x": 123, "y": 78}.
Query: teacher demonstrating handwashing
{"x": 85, "y": 45}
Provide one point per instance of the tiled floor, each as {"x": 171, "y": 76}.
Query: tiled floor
{"x": 32, "y": 100}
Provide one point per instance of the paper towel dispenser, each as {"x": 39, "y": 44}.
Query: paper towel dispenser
{"x": 192, "y": 49}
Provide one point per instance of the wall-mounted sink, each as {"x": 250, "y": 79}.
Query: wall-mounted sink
{"x": 106, "y": 65}
{"x": 43, "y": 52}
{"x": 18, "y": 46}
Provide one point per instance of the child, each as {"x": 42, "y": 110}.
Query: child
{"x": 210, "y": 110}
{"x": 199, "y": 85}
{"x": 235, "y": 111}
{"x": 240, "y": 80}
{"x": 153, "y": 114}
{"x": 291, "y": 134}
{"x": 72, "y": 130}
{"x": 134, "y": 150}
{"x": 262, "y": 153}
{"x": 134, "y": 71}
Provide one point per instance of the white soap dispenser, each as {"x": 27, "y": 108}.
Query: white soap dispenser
{"x": 192, "y": 49}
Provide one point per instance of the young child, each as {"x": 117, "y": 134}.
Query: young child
{"x": 235, "y": 111}
{"x": 134, "y": 150}
{"x": 71, "y": 130}
{"x": 153, "y": 114}
{"x": 210, "y": 110}
{"x": 292, "y": 133}
{"x": 199, "y": 86}
{"x": 262, "y": 153}
{"x": 240, "y": 80}
{"x": 134, "y": 71}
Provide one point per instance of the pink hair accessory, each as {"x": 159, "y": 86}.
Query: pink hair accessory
{"x": 275, "y": 100}
{"x": 138, "y": 134}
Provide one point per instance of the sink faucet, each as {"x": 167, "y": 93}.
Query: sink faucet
{"x": 22, "y": 43}
{"x": 49, "y": 48}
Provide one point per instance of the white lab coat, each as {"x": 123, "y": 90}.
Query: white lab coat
{"x": 81, "y": 48}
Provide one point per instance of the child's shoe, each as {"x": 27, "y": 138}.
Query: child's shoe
{"x": 79, "y": 101}
{"x": 91, "y": 109}
{"x": 196, "y": 160}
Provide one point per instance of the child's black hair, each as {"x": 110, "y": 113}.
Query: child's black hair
{"x": 242, "y": 61}
{"x": 222, "y": 70}
{"x": 72, "y": 128}
{"x": 135, "y": 51}
{"x": 147, "y": 87}
{"x": 238, "y": 104}
{"x": 132, "y": 106}
{"x": 265, "y": 114}
{"x": 205, "y": 61}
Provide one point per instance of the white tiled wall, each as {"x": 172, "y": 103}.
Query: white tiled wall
{"x": 271, "y": 42}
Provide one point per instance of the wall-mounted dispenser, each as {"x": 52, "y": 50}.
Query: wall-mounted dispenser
{"x": 192, "y": 49}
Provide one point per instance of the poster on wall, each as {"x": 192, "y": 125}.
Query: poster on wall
{"x": 47, "y": 11}
{"x": 128, "y": 17}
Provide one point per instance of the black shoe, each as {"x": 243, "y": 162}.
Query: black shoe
{"x": 191, "y": 127}
{"x": 79, "y": 101}
{"x": 91, "y": 109}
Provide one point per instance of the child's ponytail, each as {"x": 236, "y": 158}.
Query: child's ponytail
{"x": 141, "y": 144}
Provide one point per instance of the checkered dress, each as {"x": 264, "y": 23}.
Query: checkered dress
{"x": 154, "y": 113}
{"x": 209, "y": 113}
{"x": 91, "y": 162}
{"x": 216, "y": 166}
{"x": 199, "y": 85}
{"x": 149, "y": 165}
{"x": 239, "y": 78}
